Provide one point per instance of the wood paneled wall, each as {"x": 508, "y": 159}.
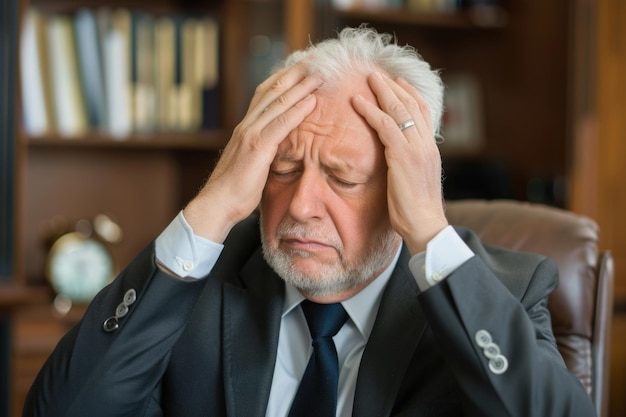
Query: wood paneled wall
{"x": 611, "y": 116}
{"x": 599, "y": 157}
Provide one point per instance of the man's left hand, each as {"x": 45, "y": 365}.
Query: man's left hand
{"x": 414, "y": 191}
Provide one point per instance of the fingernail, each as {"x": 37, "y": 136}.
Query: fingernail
{"x": 378, "y": 75}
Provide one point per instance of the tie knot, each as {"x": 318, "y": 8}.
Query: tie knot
{"x": 324, "y": 320}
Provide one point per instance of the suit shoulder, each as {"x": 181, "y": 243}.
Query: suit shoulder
{"x": 501, "y": 255}
{"x": 516, "y": 269}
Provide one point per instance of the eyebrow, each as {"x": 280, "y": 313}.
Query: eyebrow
{"x": 336, "y": 165}
{"x": 284, "y": 157}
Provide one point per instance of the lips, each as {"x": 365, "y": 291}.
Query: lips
{"x": 309, "y": 245}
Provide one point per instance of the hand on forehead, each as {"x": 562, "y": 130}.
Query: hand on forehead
{"x": 334, "y": 134}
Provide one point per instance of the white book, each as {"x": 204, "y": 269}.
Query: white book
{"x": 117, "y": 84}
{"x": 36, "y": 117}
{"x": 69, "y": 107}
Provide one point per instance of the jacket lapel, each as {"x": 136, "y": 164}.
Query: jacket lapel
{"x": 398, "y": 328}
{"x": 251, "y": 320}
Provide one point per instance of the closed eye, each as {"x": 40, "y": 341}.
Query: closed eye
{"x": 343, "y": 183}
{"x": 285, "y": 175}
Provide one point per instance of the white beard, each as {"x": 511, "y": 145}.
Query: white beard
{"x": 329, "y": 278}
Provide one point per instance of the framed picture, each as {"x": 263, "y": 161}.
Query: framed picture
{"x": 463, "y": 119}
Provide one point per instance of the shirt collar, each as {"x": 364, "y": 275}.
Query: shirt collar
{"x": 362, "y": 307}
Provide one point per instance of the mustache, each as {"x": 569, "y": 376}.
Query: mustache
{"x": 289, "y": 230}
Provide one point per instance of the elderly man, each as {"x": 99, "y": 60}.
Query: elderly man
{"x": 414, "y": 317}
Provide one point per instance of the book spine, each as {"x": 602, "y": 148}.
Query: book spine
{"x": 69, "y": 107}
{"x": 36, "y": 115}
{"x": 165, "y": 72}
{"x": 90, "y": 66}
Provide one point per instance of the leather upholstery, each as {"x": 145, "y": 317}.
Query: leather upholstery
{"x": 582, "y": 305}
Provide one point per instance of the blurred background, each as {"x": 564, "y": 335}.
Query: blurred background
{"x": 112, "y": 114}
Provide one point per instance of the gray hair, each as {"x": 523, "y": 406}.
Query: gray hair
{"x": 363, "y": 49}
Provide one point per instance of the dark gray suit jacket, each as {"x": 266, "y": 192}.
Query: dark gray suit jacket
{"x": 208, "y": 348}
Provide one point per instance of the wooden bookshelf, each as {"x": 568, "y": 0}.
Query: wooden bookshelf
{"x": 200, "y": 141}
{"x": 141, "y": 179}
{"x": 483, "y": 18}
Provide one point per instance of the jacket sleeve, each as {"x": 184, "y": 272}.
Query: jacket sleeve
{"x": 500, "y": 345}
{"x": 94, "y": 372}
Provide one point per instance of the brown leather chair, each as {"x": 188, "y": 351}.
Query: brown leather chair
{"x": 582, "y": 305}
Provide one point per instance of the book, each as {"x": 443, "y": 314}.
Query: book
{"x": 117, "y": 61}
{"x": 69, "y": 106}
{"x": 197, "y": 94}
{"x": 210, "y": 116}
{"x": 188, "y": 105}
{"x": 90, "y": 57}
{"x": 165, "y": 72}
{"x": 37, "y": 107}
{"x": 143, "y": 72}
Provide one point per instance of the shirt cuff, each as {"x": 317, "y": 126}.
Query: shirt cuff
{"x": 179, "y": 250}
{"x": 444, "y": 254}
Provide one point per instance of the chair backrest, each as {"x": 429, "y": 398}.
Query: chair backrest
{"x": 581, "y": 306}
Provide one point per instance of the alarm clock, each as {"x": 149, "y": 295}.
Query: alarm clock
{"x": 80, "y": 263}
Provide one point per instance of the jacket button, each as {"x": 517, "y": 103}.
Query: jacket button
{"x": 130, "y": 297}
{"x": 110, "y": 324}
{"x": 491, "y": 350}
{"x": 483, "y": 338}
{"x": 121, "y": 310}
{"x": 498, "y": 365}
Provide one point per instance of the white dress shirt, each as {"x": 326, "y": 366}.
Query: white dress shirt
{"x": 190, "y": 256}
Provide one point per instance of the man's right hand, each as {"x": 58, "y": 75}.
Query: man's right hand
{"x": 234, "y": 188}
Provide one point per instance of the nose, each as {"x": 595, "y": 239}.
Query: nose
{"x": 308, "y": 199}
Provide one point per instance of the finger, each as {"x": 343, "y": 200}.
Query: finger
{"x": 396, "y": 101}
{"x": 262, "y": 88}
{"x": 383, "y": 123}
{"x": 283, "y": 90}
{"x": 423, "y": 108}
{"x": 388, "y": 99}
{"x": 278, "y": 128}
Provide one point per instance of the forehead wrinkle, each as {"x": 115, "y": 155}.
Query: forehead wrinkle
{"x": 326, "y": 141}
{"x": 331, "y": 134}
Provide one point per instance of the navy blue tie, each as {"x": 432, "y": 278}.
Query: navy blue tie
{"x": 317, "y": 394}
